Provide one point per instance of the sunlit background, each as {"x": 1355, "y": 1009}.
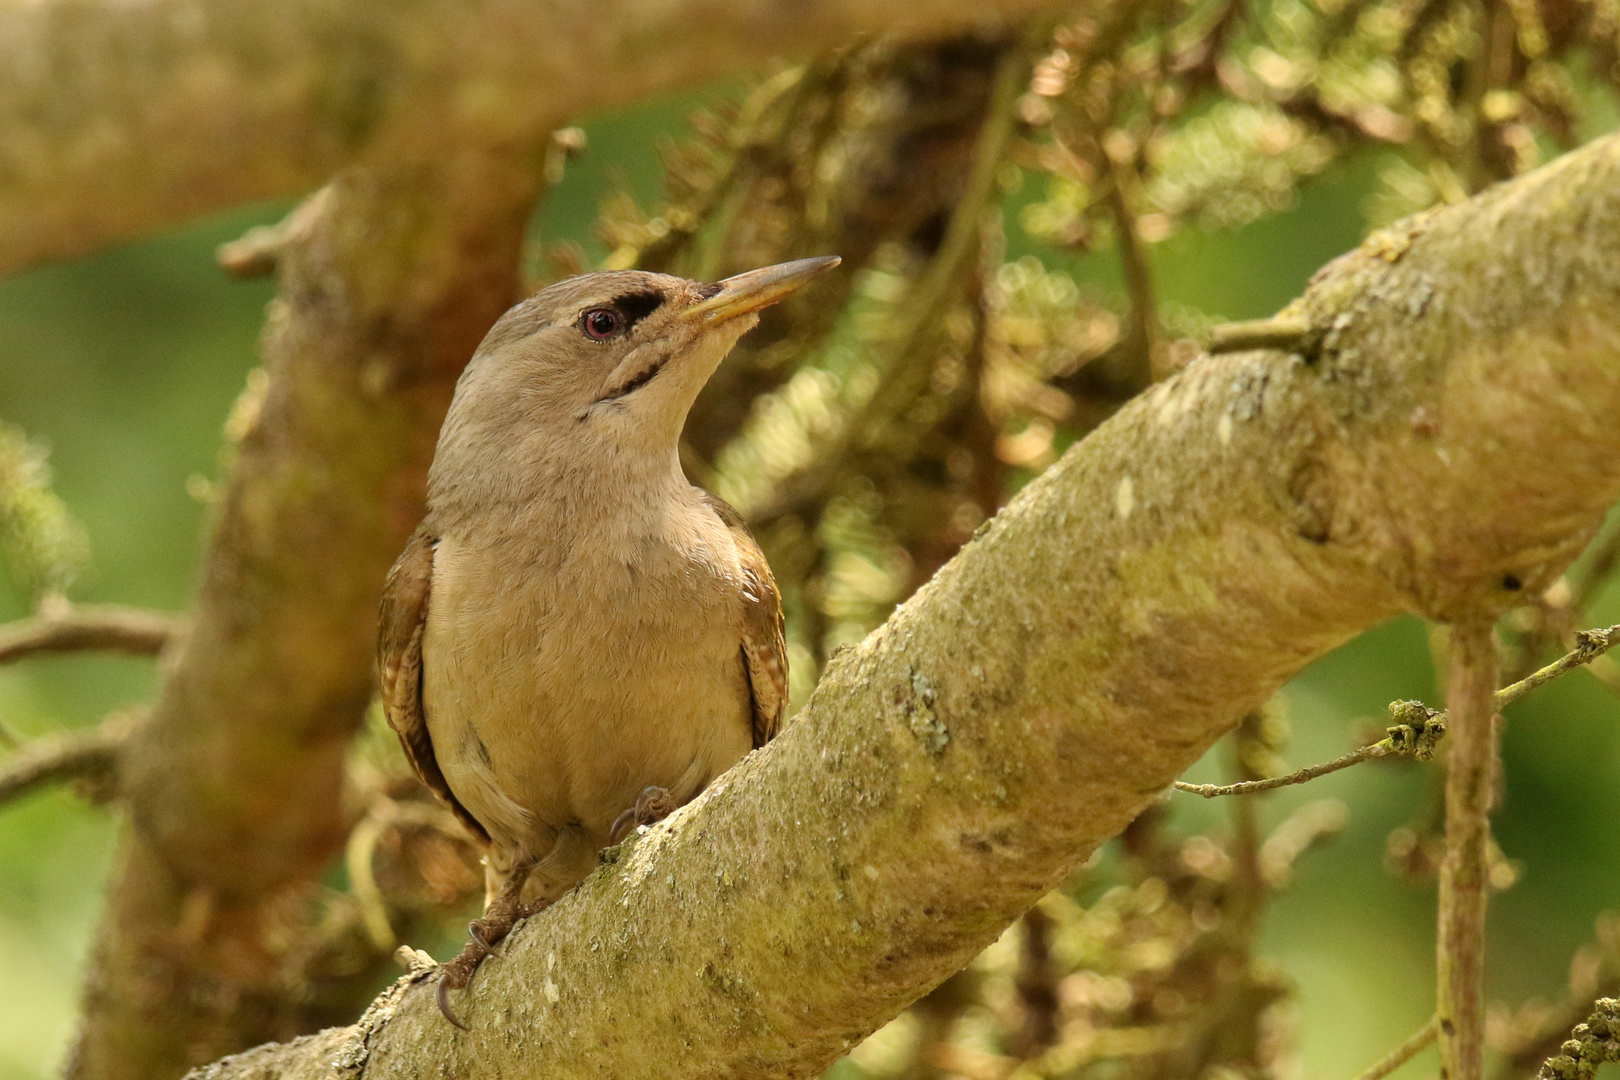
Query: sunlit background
{"x": 127, "y": 363}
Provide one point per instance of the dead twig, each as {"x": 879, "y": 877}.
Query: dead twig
{"x": 1403, "y": 1053}
{"x": 69, "y": 755}
{"x": 1286, "y": 332}
{"x": 1417, "y": 734}
{"x": 1419, "y": 727}
{"x": 1589, "y": 645}
{"x": 102, "y": 626}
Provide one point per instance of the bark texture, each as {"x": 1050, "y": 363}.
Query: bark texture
{"x": 116, "y": 119}
{"x": 1465, "y": 873}
{"x": 1442, "y": 439}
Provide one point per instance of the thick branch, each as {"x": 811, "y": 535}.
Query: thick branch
{"x": 1128, "y": 608}
{"x": 116, "y": 119}
{"x": 120, "y": 629}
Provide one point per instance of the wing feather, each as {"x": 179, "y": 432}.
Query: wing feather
{"x": 399, "y": 665}
{"x": 764, "y": 647}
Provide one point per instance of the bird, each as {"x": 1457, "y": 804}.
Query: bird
{"x": 576, "y": 640}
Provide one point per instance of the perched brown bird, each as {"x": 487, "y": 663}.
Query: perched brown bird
{"x": 576, "y": 640}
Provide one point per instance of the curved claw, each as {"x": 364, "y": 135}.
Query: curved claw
{"x": 622, "y": 825}
{"x": 653, "y": 805}
{"x": 442, "y": 995}
{"x": 475, "y": 930}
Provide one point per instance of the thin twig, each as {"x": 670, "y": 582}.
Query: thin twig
{"x": 1037, "y": 987}
{"x": 109, "y": 626}
{"x": 1403, "y": 1053}
{"x": 1310, "y": 772}
{"x": 1288, "y": 333}
{"x": 1133, "y": 261}
{"x": 1589, "y": 645}
{"x": 1418, "y": 731}
{"x": 1420, "y": 728}
{"x": 361, "y": 849}
{"x": 67, "y": 755}
{"x": 1465, "y": 871}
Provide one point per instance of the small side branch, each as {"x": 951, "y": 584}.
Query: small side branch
{"x": 1310, "y": 772}
{"x": 1403, "y": 1053}
{"x": 1464, "y": 873}
{"x": 78, "y": 755}
{"x": 1589, "y": 645}
{"x": 1418, "y": 733}
{"x": 110, "y": 626}
{"x": 1284, "y": 332}
{"x": 1419, "y": 728}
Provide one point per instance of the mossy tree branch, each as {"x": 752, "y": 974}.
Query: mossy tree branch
{"x": 116, "y": 120}
{"x": 1157, "y": 583}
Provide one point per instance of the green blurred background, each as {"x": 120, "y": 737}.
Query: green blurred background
{"x": 127, "y": 363}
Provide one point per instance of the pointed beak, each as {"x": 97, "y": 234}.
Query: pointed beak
{"x": 759, "y": 288}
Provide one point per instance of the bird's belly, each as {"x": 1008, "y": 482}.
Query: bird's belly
{"x": 546, "y": 716}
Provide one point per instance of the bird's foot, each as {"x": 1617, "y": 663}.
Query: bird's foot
{"x": 485, "y": 934}
{"x": 653, "y": 805}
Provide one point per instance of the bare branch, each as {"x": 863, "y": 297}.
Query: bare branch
{"x": 1271, "y": 783}
{"x": 1420, "y": 728}
{"x": 1123, "y": 612}
{"x": 174, "y": 108}
{"x": 87, "y": 627}
{"x": 1403, "y": 1053}
{"x": 1142, "y": 340}
{"x": 68, "y": 755}
{"x": 1465, "y": 870}
{"x": 1417, "y": 735}
{"x": 1589, "y": 645}
{"x": 1288, "y": 332}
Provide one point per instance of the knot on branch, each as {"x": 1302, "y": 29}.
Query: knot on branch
{"x": 1418, "y": 729}
{"x": 1591, "y": 1044}
{"x": 924, "y": 722}
{"x": 1591, "y": 644}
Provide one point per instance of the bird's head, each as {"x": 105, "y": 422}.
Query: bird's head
{"x": 615, "y": 357}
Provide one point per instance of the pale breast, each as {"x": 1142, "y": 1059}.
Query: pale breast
{"x": 560, "y": 678}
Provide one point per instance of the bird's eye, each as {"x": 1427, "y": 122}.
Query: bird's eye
{"x": 601, "y": 323}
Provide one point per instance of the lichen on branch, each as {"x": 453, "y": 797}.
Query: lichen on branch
{"x": 1129, "y": 607}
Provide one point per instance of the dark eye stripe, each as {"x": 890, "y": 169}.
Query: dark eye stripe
{"x": 638, "y": 305}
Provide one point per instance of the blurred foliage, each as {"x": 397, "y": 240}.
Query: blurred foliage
{"x": 43, "y": 546}
{"x": 1034, "y": 226}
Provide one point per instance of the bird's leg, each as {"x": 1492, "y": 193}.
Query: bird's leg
{"x": 505, "y": 911}
{"x": 653, "y": 805}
